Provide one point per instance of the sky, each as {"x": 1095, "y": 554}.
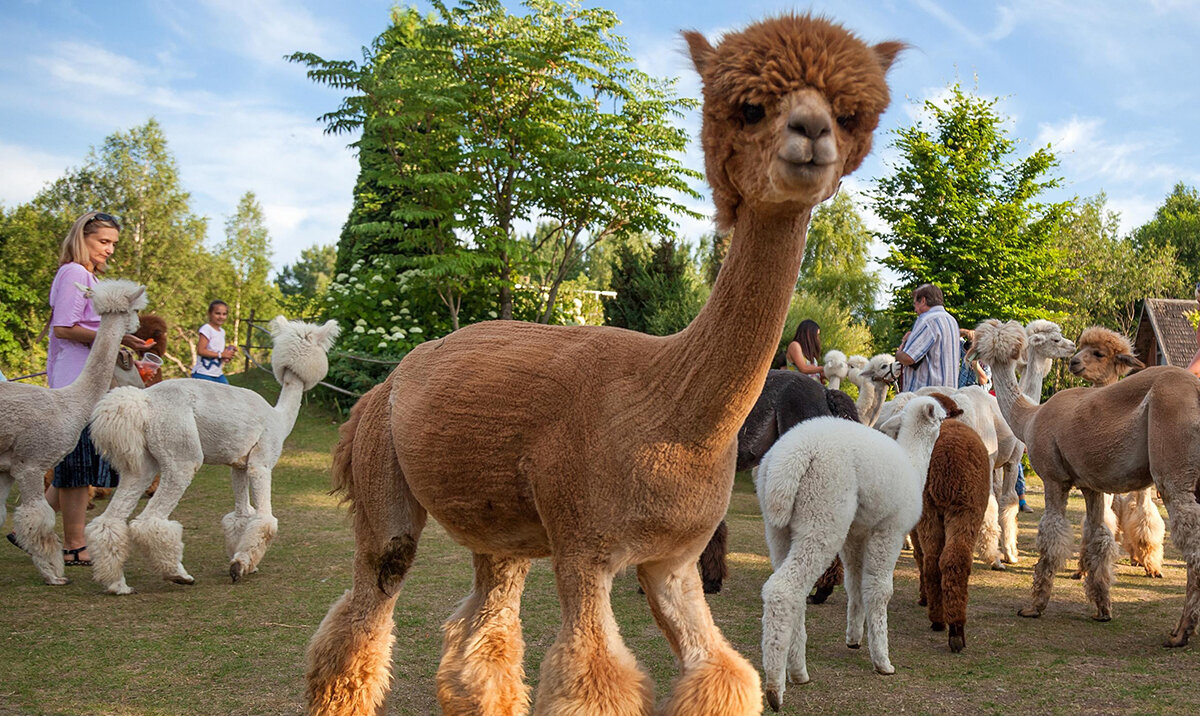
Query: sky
{"x": 1110, "y": 86}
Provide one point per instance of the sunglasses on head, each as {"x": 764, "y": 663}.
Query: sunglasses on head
{"x": 108, "y": 218}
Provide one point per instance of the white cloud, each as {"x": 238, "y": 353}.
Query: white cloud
{"x": 266, "y": 30}
{"x": 26, "y": 171}
{"x": 1088, "y": 155}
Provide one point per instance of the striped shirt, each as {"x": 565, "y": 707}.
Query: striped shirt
{"x": 933, "y": 345}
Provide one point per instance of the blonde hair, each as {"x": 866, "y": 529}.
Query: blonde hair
{"x": 73, "y": 249}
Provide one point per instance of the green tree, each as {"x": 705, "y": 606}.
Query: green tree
{"x": 658, "y": 287}
{"x": 835, "y": 258}
{"x": 477, "y": 119}
{"x": 247, "y": 254}
{"x": 303, "y": 284}
{"x": 1175, "y": 226}
{"x": 1105, "y": 277}
{"x": 962, "y": 212}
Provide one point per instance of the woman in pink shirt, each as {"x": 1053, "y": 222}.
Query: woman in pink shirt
{"x": 73, "y": 325}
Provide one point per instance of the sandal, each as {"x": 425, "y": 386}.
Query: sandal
{"x": 75, "y": 561}
{"x": 12, "y": 537}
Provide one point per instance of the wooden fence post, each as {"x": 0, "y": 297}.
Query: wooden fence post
{"x": 249, "y": 341}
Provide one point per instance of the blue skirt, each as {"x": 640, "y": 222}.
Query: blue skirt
{"x": 214, "y": 378}
{"x": 83, "y": 466}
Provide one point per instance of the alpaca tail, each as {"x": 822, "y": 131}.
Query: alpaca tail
{"x": 349, "y": 665}
{"x": 778, "y": 481}
{"x": 118, "y": 429}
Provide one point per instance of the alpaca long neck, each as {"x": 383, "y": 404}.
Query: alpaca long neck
{"x": 917, "y": 442}
{"x": 718, "y": 364}
{"x": 1031, "y": 380}
{"x": 288, "y": 406}
{"x": 870, "y": 401}
{"x": 835, "y": 383}
{"x": 96, "y": 376}
{"x": 1018, "y": 410}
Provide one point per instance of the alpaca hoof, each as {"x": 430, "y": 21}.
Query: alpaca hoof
{"x": 1029, "y": 612}
{"x": 937, "y": 626}
{"x": 773, "y": 700}
{"x": 713, "y": 587}
{"x": 885, "y": 669}
{"x": 121, "y": 591}
{"x": 1102, "y": 616}
{"x": 180, "y": 578}
{"x": 998, "y": 566}
{"x": 958, "y": 638}
{"x": 57, "y": 581}
{"x": 1176, "y": 640}
{"x": 236, "y": 572}
{"x": 1154, "y": 575}
{"x": 855, "y": 645}
{"x": 1077, "y": 575}
{"x": 922, "y": 602}
{"x": 798, "y": 678}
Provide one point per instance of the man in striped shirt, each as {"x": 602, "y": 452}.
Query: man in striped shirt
{"x": 929, "y": 352}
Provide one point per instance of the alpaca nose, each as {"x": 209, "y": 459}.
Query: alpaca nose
{"x": 810, "y": 119}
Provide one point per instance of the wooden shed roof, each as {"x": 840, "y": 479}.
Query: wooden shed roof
{"x": 1172, "y": 331}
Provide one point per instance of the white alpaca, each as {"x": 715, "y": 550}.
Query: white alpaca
{"x": 873, "y": 379}
{"x": 836, "y": 368}
{"x": 176, "y": 426}
{"x": 39, "y": 426}
{"x": 828, "y": 486}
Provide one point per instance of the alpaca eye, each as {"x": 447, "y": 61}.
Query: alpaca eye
{"x": 847, "y": 121}
{"x": 1098, "y": 354}
{"x": 753, "y": 113}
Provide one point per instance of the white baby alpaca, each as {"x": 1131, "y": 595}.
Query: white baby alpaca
{"x": 828, "y": 486}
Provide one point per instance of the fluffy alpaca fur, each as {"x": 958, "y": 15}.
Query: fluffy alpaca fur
{"x": 41, "y": 425}
{"x": 873, "y": 380}
{"x": 1123, "y": 437}
{"x": 836, "y": 368}
{"x": 1103, "y": 358}
{"x": 598, "y": 447}
{"x": 831, "y": 486}
{"x": 176, "y": 426}
{"x": 957, "y": 488}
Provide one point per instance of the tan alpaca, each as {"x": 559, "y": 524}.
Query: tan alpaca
{"x": 598, "y": 447}
{"x": 1104, "y": 357}
{"x": 1126, "y": 436}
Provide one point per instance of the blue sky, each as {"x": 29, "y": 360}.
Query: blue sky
{"x": 1112, "y": 86}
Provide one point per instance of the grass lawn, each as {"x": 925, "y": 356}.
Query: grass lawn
{"x": 220, "y": 648}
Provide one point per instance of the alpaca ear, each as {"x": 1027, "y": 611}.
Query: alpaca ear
{"x": 700, "y": 50}
{"x": 276, "y": 325}
{"x": 327, "y": 334}
{"x": 886, "y": 53}
{"x": 87, "y": 292}
{"x": 141, "y": 291}
{"x": 1130, "y": 361}
{"x": 891, "y": 428}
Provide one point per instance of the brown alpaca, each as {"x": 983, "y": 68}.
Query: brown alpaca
{"x": 953, "y": 504}
{"x": 599, "y": 447}
{"x": 1137, "y": 432}
{"x": 1103, "y": 358}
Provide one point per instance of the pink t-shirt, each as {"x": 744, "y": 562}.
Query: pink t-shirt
{"x": 65, "y": 358}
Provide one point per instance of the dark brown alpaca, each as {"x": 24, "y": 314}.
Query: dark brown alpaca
{"x": 598, "y": 447}
{"x": 953, "y": 503}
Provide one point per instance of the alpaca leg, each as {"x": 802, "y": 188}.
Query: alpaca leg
{"x": 713, "y": 567}
{"x": 1147, "y": 529}
{"x": 919, "y": 558}
{"x": 1054, "y": 540}
{"x": 159, "y": 537}
{"x": 991, "y": 537}
{"x": 1086, "y": 539}
{"x": 108, "y": 534}
{"x": 881, "y": 550}
{"x": 961, "y": 529}
{"x": 33, "y": 525}
{"x": 259, "y": 530}
{"x": 852, "y": 562}
{"x": 1008, "y": 504}
{"x": 1101, "y": 552}
{"x": 234, "y": 523}
{"x": 931, "y": 532}
{"x": 714, "y": 679}
{"x": 482, "y": 650}
{"x": 588, "y": 669}
{"x": 1184, "y": 511}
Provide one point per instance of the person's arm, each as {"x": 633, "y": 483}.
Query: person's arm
{"x": 202, "y": 348}
{"x": 980, "y": 375}
{"x": 87, "y": 336}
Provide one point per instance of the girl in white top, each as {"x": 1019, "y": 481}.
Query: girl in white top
{"x": 211, "y": 352}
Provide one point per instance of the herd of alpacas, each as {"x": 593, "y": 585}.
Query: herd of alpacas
{"x": 605, "y": 449}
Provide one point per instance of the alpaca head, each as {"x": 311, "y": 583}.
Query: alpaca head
{"x": 835, "y": 365}
{"x": 999, "y": 344}
{"x": 1104, "y": 356}
{"x": 118, "y": 296}
{"x": 301, "y": 348}
{"x": 948, "y": 404}
{"x": 916, "y": 425}
{"x": 855, "y": 365}
{"x": 789, "y": 108}
{"x": 882, "y": 368}
{"x": 1045, "y": 339}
